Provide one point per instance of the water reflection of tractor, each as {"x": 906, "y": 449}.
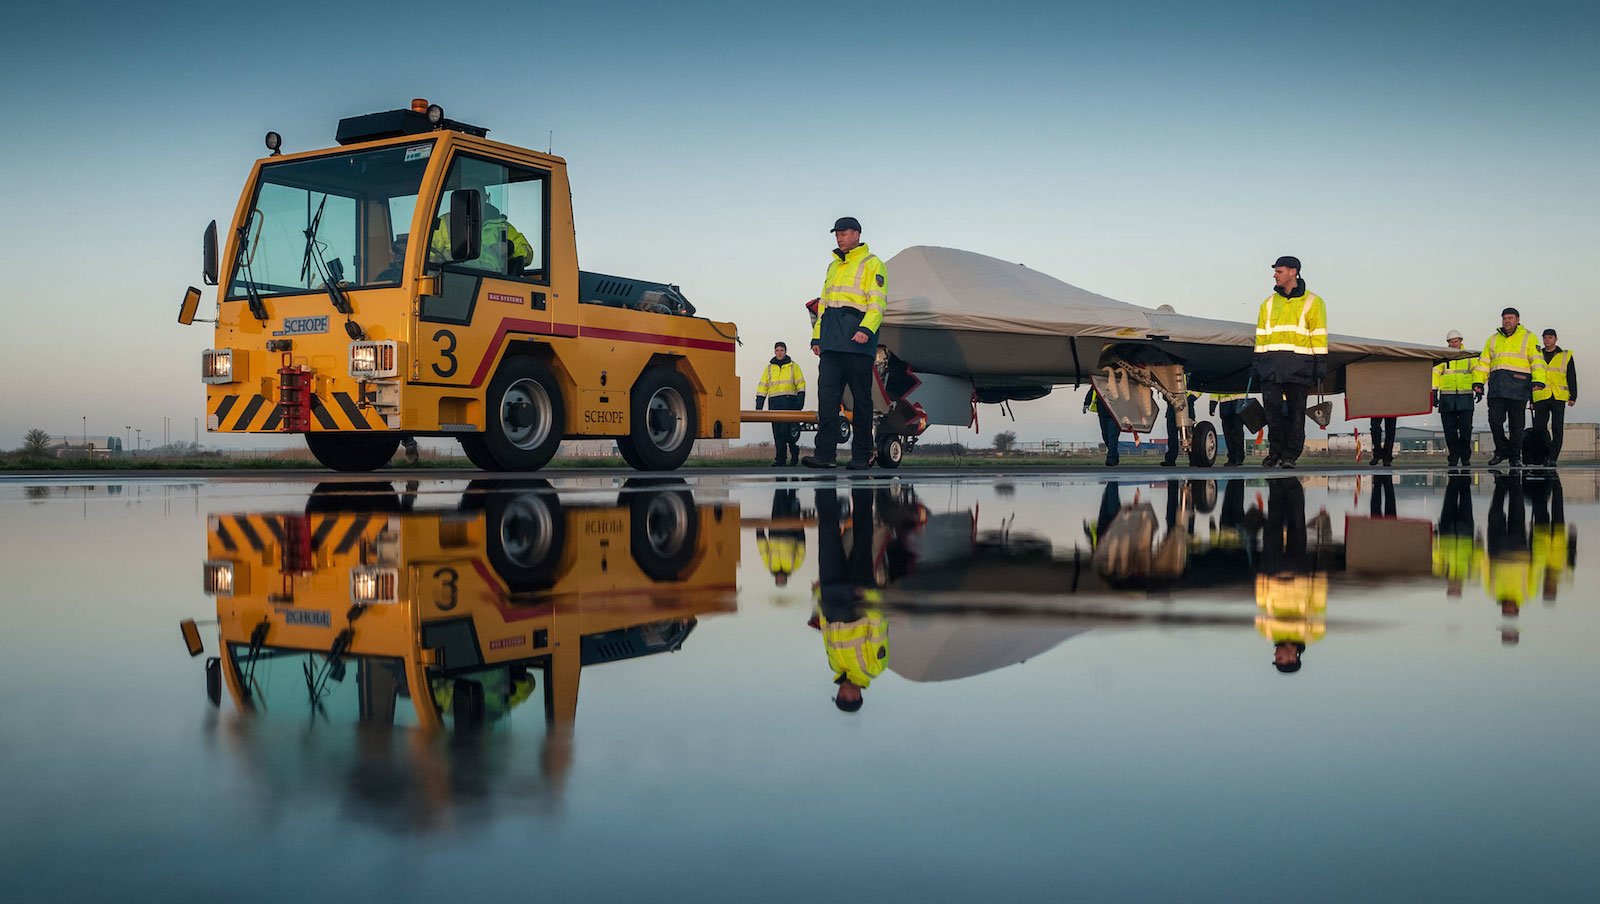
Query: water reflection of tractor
{"x": 359, "y": 610}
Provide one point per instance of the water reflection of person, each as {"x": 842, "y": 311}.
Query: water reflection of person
{"x": 1110, "y": 504}
{"x": 855, "y": 631}
{"x": 783, "y": 548}
{"x": 1382, "y": 503}
{"x": 1509, "y": 564}
{"x": 1555, "y": 550}
{"x": 1456, "y": 548}
{"x": 1291, "y": 592}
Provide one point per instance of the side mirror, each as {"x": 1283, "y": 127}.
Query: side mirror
{"x": 191, "y": 301}
{"x": 466, "y": 224}
{"x": 209, "y": 255}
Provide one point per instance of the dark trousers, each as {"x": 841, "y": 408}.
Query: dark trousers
{"x": 1283, "y": 546}
{"x": 1455, "y": 518}
{"x": 785, "y": 437}
{"x": 1508, "y": 518}
{"x": 1382, "y": 430}
{"x": 1506, "y": 420}
{"x": 1232, "y": 429}
{"x": 1286, "y": 418}
{"x": 840, "y": 571}
{"x": 1458, "y": 434}
{"x": 1551, "y": 415}
{"x": 1110, "y": 433}
{"x": 1382, "y": 502}
{"x": 837, "y": 371}
{"x": 1174, "y": 446}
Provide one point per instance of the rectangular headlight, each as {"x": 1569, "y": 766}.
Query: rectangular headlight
{"x": 217, "y": 366}
{"x": 372, "y": 360}
{"x": 218, "y": 578}
{"x": 374, "y": 586}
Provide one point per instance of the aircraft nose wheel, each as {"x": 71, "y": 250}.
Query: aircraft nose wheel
{"x": 891, "y": 451}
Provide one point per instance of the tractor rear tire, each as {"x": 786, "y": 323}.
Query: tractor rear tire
{"x": 662, "y": 420}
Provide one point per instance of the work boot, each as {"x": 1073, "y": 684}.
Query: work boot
{"x": 1168, "y": 463}
{"x": 811, "y": 461}
{"x": 1112, "y": 460}
{"x": 1375, "y": 460}
{"x": 1271, "y": 461}
{"x": 1497, "y": 458}
{"x": 1287, "y": 463}
{"x": 855, "y": 465}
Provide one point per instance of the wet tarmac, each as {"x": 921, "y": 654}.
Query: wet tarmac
{"x": 1324, "y": 686}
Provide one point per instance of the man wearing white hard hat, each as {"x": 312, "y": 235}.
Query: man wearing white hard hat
{"x": 1453, "y": 396}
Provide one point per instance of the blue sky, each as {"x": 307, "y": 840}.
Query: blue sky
{"x": 1429, "y": 164}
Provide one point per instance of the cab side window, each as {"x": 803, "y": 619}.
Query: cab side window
{"x": 516, "y": 230}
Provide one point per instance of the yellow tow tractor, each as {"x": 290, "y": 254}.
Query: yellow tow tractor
{"x": 357, "y": 606}
{"x": 420, "y": 279}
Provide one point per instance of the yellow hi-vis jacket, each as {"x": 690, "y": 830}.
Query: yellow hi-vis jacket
{"x": 858, "y": 651}
{"x": 856, "y": 285}
{"x": 1550, "y": 555}
{"x": 1292, "y": 607}
{"x": 492, "y": 254}
{"x": 779, "y": 380}
{"x": 781, "y": 552}
{"x": 1505, "y": 578}
{"x": 1514, "y": 353}
{"x": 1454, "y": 377}
{"x": 1455, "y": 557}
{"x": 1298, "y": 325}
{"x": 1553, "y": 374}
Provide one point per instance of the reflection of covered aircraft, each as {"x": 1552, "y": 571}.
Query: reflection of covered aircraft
{"x": 964, "y": 328}
{"x": 362, "y": 613}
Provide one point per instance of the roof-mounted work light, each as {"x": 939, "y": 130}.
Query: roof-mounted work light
{"x": 435, "y": 114}
{"x": 274, "y": 141}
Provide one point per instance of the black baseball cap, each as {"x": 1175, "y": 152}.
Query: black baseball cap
{"x": 846, "y": 223}
{"x": 1550, "y": 333}
{"x": 1287, "y": 261}
{"x": 1511, "y": 311}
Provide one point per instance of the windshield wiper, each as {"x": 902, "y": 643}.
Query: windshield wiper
{"x": 331, "y": 273}
{"x": 241, "y": 266}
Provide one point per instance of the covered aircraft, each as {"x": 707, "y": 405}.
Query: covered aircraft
{"x": 964, "y": 328}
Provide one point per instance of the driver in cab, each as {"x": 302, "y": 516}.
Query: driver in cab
{"x": 505, "y": 249}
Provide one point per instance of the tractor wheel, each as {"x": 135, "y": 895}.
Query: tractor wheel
{"x": 526, "y": 415}
{"x": 353, "y": 451}
{"x": 662, "y": 419}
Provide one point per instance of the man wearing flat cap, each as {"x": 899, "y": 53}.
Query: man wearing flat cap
{"x": 1505, "y": 373}
{"x": 854, "y": 297}
{"x": 1555, "y": 369}
{"x": 1291, "y": 358}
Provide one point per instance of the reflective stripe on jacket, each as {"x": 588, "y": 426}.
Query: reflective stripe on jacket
{"x": 1454, "y": 377}
{"x": 855, "y": 295}
{"x": 1455, "y": 557}
{"x": 782, "y": 552}
{"x": 1553, "y": 374}
{"x": 781, "y": 380}
{"x": 1513, "y": 355}
{"x": 858, "y": 651}
{"x": 1298, "y": 325}
{"x": 1292, "y": 607}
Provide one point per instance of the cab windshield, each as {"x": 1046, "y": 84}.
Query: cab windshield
{"x": 360, "y": 206}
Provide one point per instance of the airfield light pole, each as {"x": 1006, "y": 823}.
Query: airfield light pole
{"x": 86, "y": 431}
{"x": 138, "y": 439}
{"x": 127, "y": 437}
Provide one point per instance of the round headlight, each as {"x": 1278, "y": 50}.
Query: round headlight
{"x": 274, "y": 141}
{"x": 435, "y": 114}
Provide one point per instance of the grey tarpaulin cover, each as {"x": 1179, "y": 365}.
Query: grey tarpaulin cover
{"x": 961, "y": 313}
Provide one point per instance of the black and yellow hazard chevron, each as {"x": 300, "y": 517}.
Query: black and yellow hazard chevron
{"x": 255, "y": 413}
{"x": 271, "y": 535}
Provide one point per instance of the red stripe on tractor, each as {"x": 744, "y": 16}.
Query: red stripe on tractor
{"x": 571, "y": 330}
{"x": 656, "y": 338}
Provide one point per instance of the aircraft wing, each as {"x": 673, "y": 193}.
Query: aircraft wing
{"x": 999, "y": 323}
